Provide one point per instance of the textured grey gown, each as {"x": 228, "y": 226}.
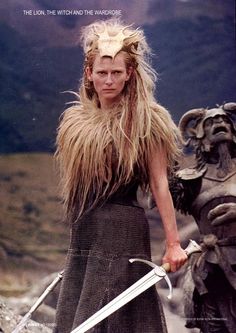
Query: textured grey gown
{"x": 98, "y": 269}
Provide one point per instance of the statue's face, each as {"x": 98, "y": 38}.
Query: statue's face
{"x": 217, "y": 129}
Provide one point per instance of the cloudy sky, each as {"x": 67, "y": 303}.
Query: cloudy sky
{"x": 40, "y": 21}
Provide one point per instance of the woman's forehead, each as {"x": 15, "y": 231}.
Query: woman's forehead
{"x": 118, "y": 61}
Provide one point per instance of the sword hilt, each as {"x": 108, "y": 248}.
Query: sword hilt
{"x": 192, "y": 247}
{"x": 166, "y": 267}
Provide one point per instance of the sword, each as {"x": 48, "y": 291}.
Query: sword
{"x": 155, "y": 275}
{"x": 39, "y": 301}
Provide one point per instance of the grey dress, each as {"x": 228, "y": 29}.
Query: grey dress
{"x": 98, "y": 269}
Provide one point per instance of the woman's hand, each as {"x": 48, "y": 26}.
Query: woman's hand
{"x": 175, "y": 256}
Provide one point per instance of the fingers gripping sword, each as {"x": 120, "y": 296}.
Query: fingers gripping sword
{"x": 155, "y": 275}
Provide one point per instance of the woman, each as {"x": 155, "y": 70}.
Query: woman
{"x": 112, "y": 140}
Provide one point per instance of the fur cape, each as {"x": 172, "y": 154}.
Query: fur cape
{"x": 98, "y": 153}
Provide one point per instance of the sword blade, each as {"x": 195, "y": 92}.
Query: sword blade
{"x": 148, "y": 280}
{"x": 22, "y": 323}
{"x": 39, "y": 301}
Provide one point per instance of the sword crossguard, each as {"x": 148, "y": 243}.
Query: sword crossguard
{"x": 162, "y": 271}
{"x": 159, "y": 271}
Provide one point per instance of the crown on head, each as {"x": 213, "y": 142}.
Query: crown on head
{"x": 110, "y": 41}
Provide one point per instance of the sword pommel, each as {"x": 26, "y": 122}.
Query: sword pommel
{"x": 192, "y": 247}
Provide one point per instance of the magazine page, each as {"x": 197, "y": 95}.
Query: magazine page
{"x": 70, "y": 217}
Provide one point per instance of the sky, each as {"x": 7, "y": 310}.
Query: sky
{"x": 41, "y": 21}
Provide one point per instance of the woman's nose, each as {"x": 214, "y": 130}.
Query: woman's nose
{"x": 109, "y": 80}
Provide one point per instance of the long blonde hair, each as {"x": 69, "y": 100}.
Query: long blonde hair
{"x": 99, "y": 151}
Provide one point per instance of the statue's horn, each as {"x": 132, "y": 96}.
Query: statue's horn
{"x": 190, "y": 115}
{"x": 229, "y": 107}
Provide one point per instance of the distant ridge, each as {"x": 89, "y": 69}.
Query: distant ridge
{"x": 195, "y": 59}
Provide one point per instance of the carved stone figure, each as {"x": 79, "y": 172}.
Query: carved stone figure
{"x": 207, "y": 191}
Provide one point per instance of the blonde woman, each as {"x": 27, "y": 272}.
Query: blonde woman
{"x": 114, "y": 138}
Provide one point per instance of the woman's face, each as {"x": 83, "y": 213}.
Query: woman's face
{"x": 109, "y": 76}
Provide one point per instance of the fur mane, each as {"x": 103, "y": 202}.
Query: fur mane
{"x": 96, "y": 156}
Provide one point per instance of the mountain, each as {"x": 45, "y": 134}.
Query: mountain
{"x": 31, "y": 86}
{"x": 195, "y": 59}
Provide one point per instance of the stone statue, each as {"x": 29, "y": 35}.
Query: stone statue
{"x": 207, "y": 191}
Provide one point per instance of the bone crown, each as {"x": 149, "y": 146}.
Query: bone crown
{"x": 109, "y": 43}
